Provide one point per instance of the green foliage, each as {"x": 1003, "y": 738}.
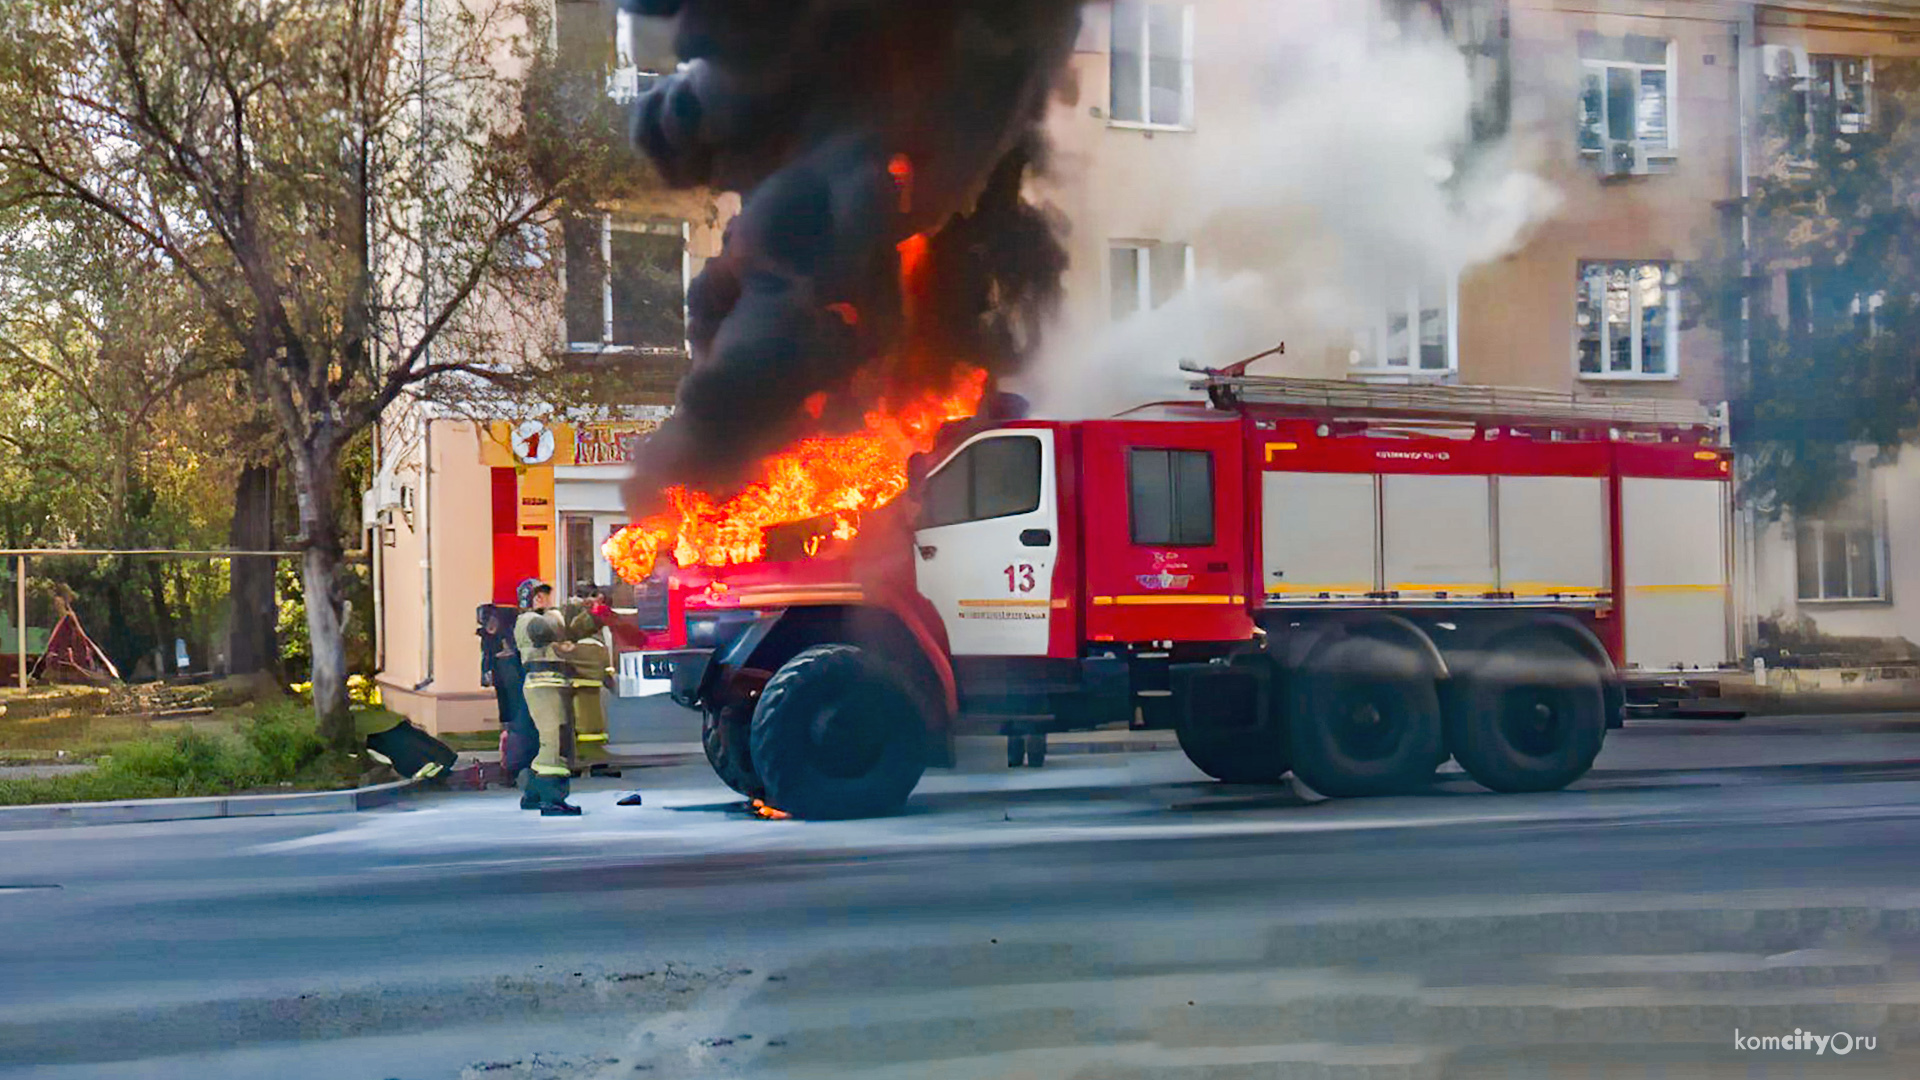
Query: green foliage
{"x": 1831, "y": 283}
{"x": 280, "y": 746}
{"x": 284, "y": 741}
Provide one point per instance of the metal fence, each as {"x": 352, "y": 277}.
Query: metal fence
{"x": 146, "y": 614}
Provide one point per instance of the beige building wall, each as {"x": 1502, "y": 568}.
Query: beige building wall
{"x": 1515, "y": 315}
{"x": 431, "y": 670}
{"x": 1518, "y": 313}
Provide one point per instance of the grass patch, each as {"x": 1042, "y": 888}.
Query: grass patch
{"x": 470, "y": 741}
{"x": 273, "y": 746}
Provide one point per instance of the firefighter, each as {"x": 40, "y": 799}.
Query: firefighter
{"x": 590, "y": 662}
{"x": 543, "y": 650}
{"x": 501, "y": 669}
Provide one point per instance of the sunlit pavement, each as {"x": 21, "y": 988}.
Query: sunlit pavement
{"x": 1109, "y": 915}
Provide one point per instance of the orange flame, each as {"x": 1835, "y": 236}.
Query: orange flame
{"x": 834, "y": 477}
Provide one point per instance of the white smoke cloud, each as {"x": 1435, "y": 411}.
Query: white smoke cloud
{"x": 1325, "y": 193}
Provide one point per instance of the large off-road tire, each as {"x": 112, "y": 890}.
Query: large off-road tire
{"x": 1530, "y": 716}
{"x": 1256, "y": 755}
{"x": 1365, "y": 720}
{"x": 838, "y": 734}
{"x": 724, "y": 736}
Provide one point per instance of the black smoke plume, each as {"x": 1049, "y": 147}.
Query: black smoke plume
{"x": 849, "y": 126}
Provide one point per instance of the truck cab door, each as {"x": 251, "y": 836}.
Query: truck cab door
{"x": 987, "y": 543}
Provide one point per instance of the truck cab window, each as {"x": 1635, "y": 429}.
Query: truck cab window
{"x": 1170, "y": 496}
{"x": 993, "y": 478}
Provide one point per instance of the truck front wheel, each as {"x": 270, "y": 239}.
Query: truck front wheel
{"x": 1366, "y": 720}
{"x": 838, "y": 734}
{"x": 1529, "y": 717}
{"x": 723, "y": 735}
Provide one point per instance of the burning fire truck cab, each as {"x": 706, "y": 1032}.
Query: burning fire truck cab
{"x": 1350, "y": 583}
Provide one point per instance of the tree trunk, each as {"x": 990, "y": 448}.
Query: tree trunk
{"x": 252, "y": 645}
{"x": 315, "y": 480}
{"x": 163, "y": 621}
{"x": 320, "y": 573}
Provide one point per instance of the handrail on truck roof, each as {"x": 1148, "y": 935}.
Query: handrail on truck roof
{"x": 1230, "y": 389}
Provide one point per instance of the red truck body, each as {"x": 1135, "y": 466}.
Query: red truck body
{"x": 1056, "y": 575}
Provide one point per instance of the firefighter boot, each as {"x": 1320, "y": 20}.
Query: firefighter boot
{"x": 529, "y": 794}
{"x": 550, "y": 793}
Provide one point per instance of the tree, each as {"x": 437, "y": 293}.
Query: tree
{"x": 1826, "y": 291}
{"x": 358, "y": 202}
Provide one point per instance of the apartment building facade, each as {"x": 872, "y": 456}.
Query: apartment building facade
{"x": 467, "y": 503}
{"x": 1641, "y": 117}
{"x": 1228, "y": 149}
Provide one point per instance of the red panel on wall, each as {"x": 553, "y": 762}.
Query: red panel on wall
{"x": 515, "y": 559}
{"x": 506, "y": 501}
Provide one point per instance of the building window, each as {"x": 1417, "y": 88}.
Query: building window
{"x": 577, "y": 536}
{"x": 1170, "y": 497}
{"x": 1626, "y": 320}
{"x": 626, "y": 284}
{"x": 1836, "y": 96}
{"x": 1842, "y": 555}
{"x": 1144, "y": 274}
{"x": 1152, "y": 73}
{"x": 638, "y": 59}
{"x": 993, "y": 478}
{"x": 1626, "y": 104}
{"x": 1820, "y": 300}
{"x": 1416, "y": 334}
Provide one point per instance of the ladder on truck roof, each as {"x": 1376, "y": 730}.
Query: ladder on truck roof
{"x": 1231, "y": 390}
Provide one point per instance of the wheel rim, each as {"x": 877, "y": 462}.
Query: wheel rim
{"x": 1366, "y": 727}
{"x": 1533, "y": 721}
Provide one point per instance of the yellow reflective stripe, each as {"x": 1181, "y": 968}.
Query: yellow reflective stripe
{"x": 551, "y": 770}
{"x": 1006, "y": 603}
{"x": 1164, "y": 599}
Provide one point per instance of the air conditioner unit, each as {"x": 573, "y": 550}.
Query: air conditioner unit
{"x": 1623, "y": 159}
{"x": 1784, "y": 62}
{"x": 384, "y": 493}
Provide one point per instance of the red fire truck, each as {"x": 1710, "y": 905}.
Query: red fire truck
{"x": 1345, "y": 581}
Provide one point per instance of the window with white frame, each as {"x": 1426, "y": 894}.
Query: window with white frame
{"x": 1626, "y": 103}
{"x": 1144, "y": 274}
{"x": 1836, "y": 97}
{"x": 1152, "y": 69}
{"x": 1416, "y": 334}
{"x": 1626, "y": 320}
{"x": 1842, "y": 554}
{"x": 626, "y": 284}
{"x": 639, "y": 57}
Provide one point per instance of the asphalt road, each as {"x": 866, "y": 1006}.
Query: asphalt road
{"x": 1111, "y": 915}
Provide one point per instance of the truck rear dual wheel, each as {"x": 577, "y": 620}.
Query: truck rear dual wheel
{"x": 1529, "y": 717}
{"x": 838, "y": 734}
{"x": 1366, "y": 720}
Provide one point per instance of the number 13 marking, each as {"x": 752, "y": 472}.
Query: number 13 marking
{"x": 1020, "y": 577}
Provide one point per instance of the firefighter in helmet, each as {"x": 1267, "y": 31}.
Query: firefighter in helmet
{"x": 542, "y": 639}
{"x": 591, "y": 667}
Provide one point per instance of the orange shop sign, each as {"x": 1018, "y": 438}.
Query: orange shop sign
{"x": 609, "y": 443}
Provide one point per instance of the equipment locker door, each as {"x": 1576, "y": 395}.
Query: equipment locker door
{"x": 986, "y": 543}
{"x": 1165, "y": 526}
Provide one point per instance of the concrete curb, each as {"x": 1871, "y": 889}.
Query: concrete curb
{"x": 53, "y": 815}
